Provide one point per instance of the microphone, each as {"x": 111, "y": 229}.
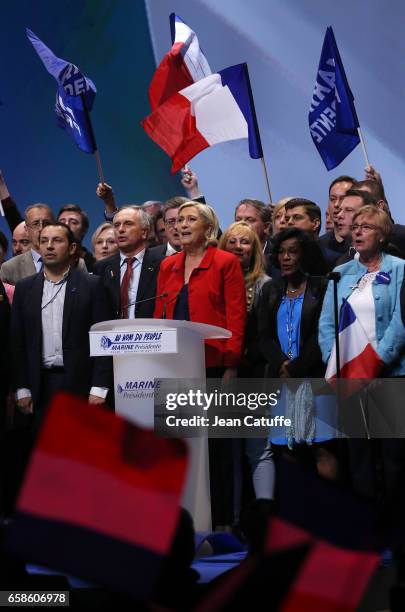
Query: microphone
{"x": 165, "y": 303}
{"x": 155, "y": 297}
{"x": 334, "y": 276}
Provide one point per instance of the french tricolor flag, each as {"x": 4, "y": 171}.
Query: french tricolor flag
{"x": 100, "y": 499}
{"x": 215, "y": 109}
{"x": 358, "y": 359}
{"x": 182, "y": 66}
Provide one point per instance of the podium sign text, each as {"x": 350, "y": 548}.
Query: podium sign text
{"x": 141, "y": 342}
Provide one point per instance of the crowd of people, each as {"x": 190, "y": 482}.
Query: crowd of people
{"x": 264, "y": 278}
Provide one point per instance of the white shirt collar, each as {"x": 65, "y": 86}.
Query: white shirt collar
{"x": 170, "y": 250}
{"x": 35, "y": 256}
{"x": 139, "y": 256}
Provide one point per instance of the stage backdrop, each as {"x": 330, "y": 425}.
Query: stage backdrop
{"x": 116, "y": 45}
{"x": 282, "y": 41}
{"x": 109, "y": 40}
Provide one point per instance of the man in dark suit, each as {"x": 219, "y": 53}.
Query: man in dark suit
{"x": 130, "y": 276}
{"x": 51, "y": 317}
{"x": 78, "y": 221}
{"x": 172, "y": 244}
{"x": 4, "y": 353}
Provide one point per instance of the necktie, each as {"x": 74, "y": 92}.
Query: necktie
{"x": 41, "y": 264}
{"x": 124, "y": 290}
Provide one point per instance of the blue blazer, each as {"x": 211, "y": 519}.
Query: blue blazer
{"x": 390, "y": 330}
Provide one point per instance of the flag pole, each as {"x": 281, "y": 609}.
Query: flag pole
{"x": 255, "y": 147}
{"x": 266, "y": 179}
{"x": 93, "y": 139}
{"x": 363, "y": 146}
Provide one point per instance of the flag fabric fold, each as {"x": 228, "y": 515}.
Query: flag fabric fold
{"x": 215, "y": 109}
{"x": 358, "y": 359}
{"x": 73, "y": 86}
{"x": 332, "y": 115}
{"x": 182, "y": 66}
{"x": 101, "y": 497}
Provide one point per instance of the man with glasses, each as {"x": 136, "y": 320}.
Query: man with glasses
{"x": 26, "y": 264}
{"x": 350, "y": 204}
{"x": 172, "y": 244}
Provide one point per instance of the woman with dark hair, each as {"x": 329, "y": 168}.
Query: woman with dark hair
{"x": 288, "y": 314}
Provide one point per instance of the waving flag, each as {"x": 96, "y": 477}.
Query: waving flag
{"x": 213, "y": 110}
{"x": 358, "y": 359}
{"x": 74, "y": 97}
{"x": 332, "y": 116}
{"x": 100, "y": 499}
{"x": 182, "y": 66}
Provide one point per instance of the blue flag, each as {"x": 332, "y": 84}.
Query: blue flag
{"x": 238, "y": 81}
{"x": 332, "y": 116}
{"x": 72, "y": 115}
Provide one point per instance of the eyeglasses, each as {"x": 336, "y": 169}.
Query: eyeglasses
{"x": 38, "y": 223}
{"x": 364, "y": 227}
{"x": 171, "y": 222}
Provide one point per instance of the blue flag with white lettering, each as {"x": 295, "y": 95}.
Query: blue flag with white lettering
{"x": 72, "y": 84}
{"x": 332, "y": 116}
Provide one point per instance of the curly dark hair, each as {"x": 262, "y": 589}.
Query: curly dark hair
{"x": 312, "y": 260}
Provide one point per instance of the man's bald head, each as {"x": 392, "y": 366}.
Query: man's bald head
{"x": 21, "y": 242}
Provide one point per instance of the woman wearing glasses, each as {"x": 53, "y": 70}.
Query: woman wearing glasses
{"x": 371, "y": 283}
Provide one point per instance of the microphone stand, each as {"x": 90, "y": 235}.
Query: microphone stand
{"x": 335, "y": 277}
{"x": 155, "y": 297}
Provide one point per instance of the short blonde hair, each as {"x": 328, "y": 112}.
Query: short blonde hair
{"x": 209, "y": 217}
{"x": 256, "y": 263}
{"x": 283, "y": 202}
{"x": 384, "y": 223}
{"x": 99, "y": 231}
{"x": 279, "y": 206}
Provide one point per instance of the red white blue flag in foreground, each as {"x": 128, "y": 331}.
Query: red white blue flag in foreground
{"x": 74, "y": 91}
{"x": 182, "y": 66}
{"x": 215, "y": 109}
{"x": 332, "y": 116}
{"x": 100, "y": 499}
{"x": 358, "y": 359}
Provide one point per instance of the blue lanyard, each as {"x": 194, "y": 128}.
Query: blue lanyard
{"x": 290, "y": 328}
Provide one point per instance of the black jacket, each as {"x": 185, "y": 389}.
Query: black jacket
{"x": 5, "y": 365}
{"x": 109, "y": 270}
{"x": 309, "y": 362}
{"x": 85, "y": 304}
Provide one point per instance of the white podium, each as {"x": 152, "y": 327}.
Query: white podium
{"x": 147, "y": 349}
